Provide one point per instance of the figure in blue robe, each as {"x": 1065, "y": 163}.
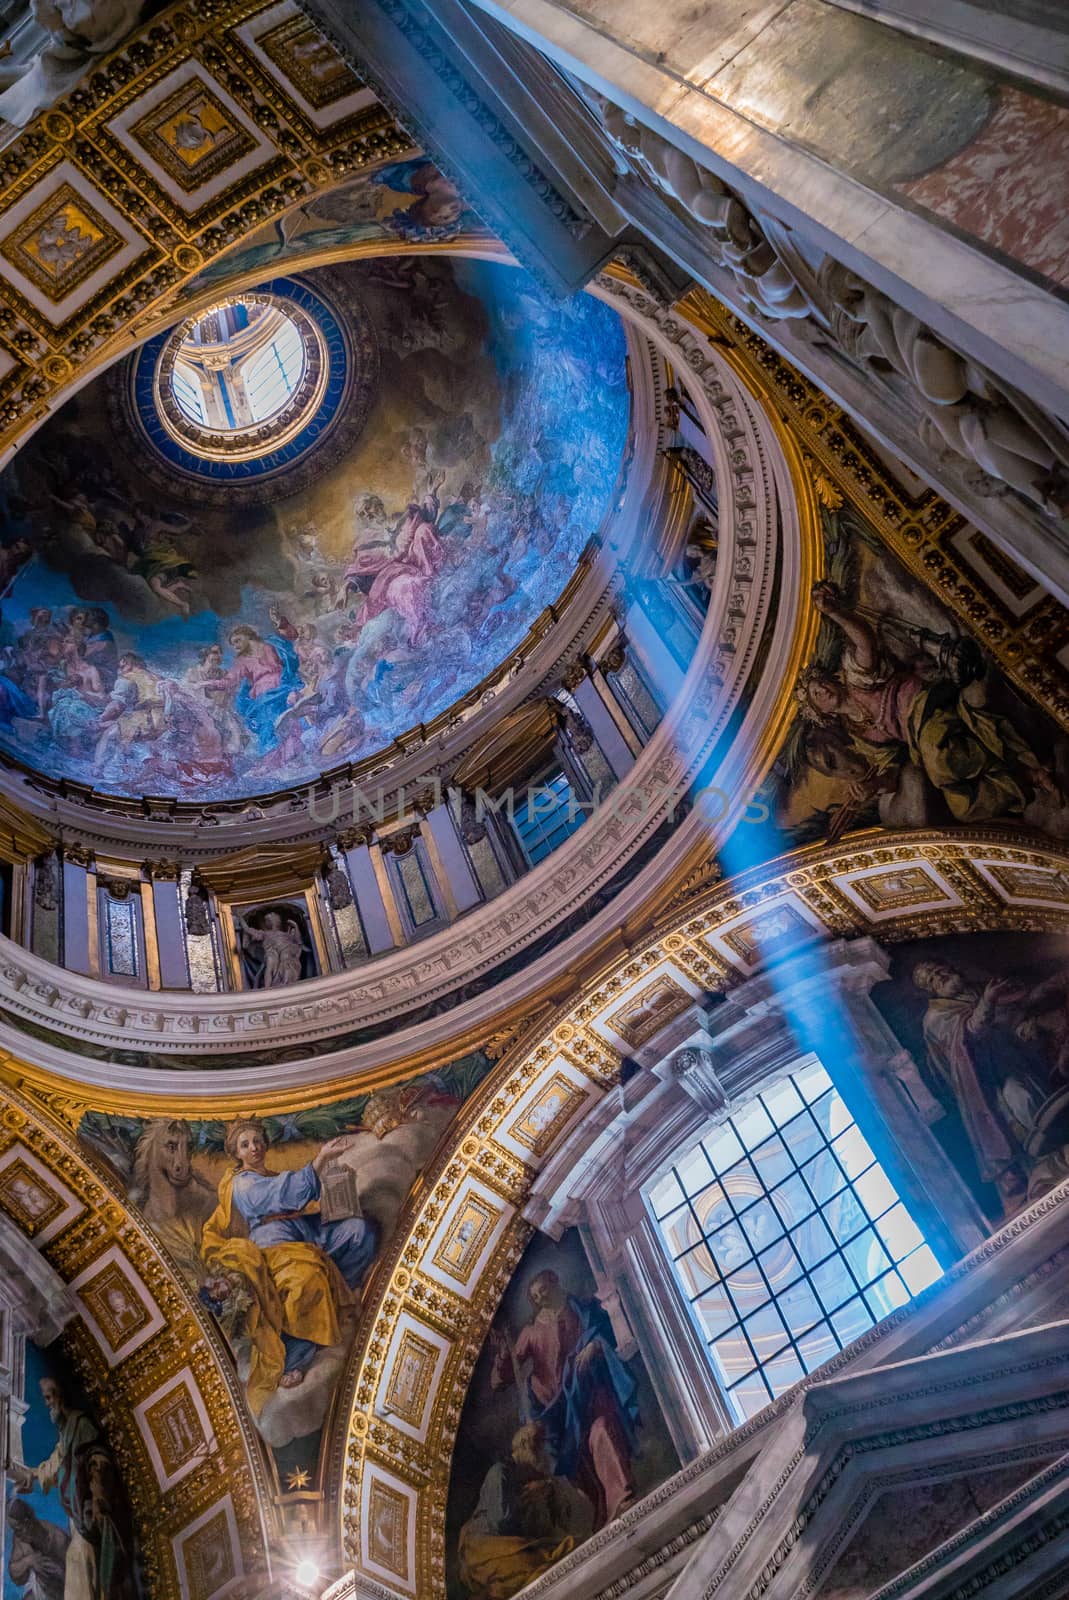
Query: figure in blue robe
{"x": 581, "y": 1392}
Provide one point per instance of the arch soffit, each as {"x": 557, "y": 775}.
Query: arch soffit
{"x": 768, "y": 553}
{"x": 440, "y": 1294}
{"x": 201, "y": 1483}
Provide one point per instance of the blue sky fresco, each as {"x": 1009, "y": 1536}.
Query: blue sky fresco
{"x": 366, "y": 602}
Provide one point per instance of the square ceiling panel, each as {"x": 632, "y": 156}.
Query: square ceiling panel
{"x": 289, "y": 46}
{"x": 61, "y": 246}
{"x": 191, "y": 138}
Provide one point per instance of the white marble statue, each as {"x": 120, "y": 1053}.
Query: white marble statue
{"x": 77, "y": 31}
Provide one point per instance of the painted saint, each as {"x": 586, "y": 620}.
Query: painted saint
{"x": 93, "y": 1558}
{"x": 986, "y": 1018}
{"x": 528, "y": 1517}
{"x": 578, "y": 1389}
{"x": 903, "y": 720}
{"x": 559, "y": 1436}
{"x": 299, "y": 1270}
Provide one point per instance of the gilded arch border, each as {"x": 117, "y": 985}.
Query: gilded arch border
{"x": 927, "y": 882}
{"x": 211, "y": 1493}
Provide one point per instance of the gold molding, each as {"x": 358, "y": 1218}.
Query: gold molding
{"x": 174, "y": 1337}
{"x": 92, "y": 911}
{"x": 1034, "y": 896}
{"x": 445, "y": 887}
{"x": 152, "y": 943}
{"x": 918, "y": 530}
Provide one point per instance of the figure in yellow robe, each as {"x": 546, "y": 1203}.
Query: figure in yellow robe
{"x": 301, "y": 1271}
{"x": 527, "y": 1518}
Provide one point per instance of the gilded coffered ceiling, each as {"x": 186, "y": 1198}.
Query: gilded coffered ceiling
{"x": 206, "y": 124}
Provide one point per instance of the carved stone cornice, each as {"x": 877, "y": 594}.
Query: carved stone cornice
{"x": 162, "y": 871}
{"x": 261, "y": 870}
{"x": 79, "y": 855}
{"x": 22, "y": 837}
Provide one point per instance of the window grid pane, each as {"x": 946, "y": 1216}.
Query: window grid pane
{"x": 795, "y": 1239}
{"x": 546, "y": 816}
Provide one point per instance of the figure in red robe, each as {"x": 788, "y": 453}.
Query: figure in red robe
{"x": 402, "y": 569}
{"x": 579, "y": 1390}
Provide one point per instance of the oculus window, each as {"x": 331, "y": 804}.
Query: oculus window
{"x": 787, "y": 1237}
{"x": 237, "y": 365}
{"x": 243, "y": 378}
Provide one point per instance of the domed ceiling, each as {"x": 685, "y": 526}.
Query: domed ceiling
{"x": 248, "y": 556}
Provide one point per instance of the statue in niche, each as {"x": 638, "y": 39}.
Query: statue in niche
{"x": 339, "y": 888}
{"x": 197, "y": 913}
{"x": 274, "y": 946}
{"x": 46, "y": 882}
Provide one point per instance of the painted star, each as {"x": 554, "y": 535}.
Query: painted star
{"x": 298, "y": 1479}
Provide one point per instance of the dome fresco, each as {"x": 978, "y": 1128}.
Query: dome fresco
{"x": 165, "y": 636}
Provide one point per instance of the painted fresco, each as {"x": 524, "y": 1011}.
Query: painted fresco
{"x": 558, "y": 1435}
{"x": 69, "y": 1532}
{"x": 277, "y": 1221}
{"x": 986, "y": 1019}
{"x": 903, "y": 720}
{"x": 409, "y": 201}
{"x": 150, "y": 645}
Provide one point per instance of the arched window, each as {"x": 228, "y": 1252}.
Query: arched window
{"x": 787, "y": 1237}
{"x": 759, "y": 1193}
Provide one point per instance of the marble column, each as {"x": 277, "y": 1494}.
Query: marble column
{"x": 368, "y": 889}
{"x": 77, "y": 954}
{"x": 660, "y": 665}
{"x": 610, "y": 739}
{"x": 170, "y": 933}
{"x": 450, "y": 860}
